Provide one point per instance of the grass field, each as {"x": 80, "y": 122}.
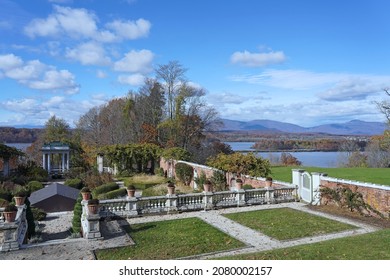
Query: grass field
{"x": 287, "y": 223}
{"x": 370, "y": 175}
{"x": 370, "y": 246}
{"x": 171, "y": 240}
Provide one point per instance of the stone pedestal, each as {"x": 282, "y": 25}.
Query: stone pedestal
{"x": 171, "y": 203}
{"x": 208, "y": 200}
{"x": 269, "y": 195}
{"x": 131, "y": 207}
{"x": 90, "y": 223}
{"x": 240, "y": 197}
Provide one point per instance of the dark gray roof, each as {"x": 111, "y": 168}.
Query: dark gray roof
{"x": 52, "y": 190}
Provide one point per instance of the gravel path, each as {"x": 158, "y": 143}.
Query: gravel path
{"x": 59, "y": 246}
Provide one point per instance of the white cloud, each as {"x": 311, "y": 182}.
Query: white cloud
{"x": 83, "y": 24}
{"x": 133, "y": 80}
{"x": 327, "y": 86}
{"x": 101, "y": 74}
{"x": 10, "y": 61}
{"x": 55, "y": 80}
{"x": 130, "y": 29}
{"x": 37, "y": 75}
{"x": 90, "y": 53}
{"x": 135, "y": 61}
{"x": 257, "y": 59}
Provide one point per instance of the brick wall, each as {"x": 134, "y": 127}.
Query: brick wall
{"x": 377, "y": 196}
{"x": 255, "y": 182}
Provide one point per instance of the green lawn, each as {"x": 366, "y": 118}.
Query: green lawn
{"x": 371, "y": 246}
{"x": 370, "y": 175}
{"x": 287, "y": 223}
{"x": 171, "y": 240}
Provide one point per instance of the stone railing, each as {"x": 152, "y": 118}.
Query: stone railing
{"x": 138, "y": 206}
{"x": 13, "y": 234}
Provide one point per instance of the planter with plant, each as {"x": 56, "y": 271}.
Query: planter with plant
{"x": 86, "y": 193}
{"x": 268, "y": 182}
{"x": 171, "y": 188}
{"x": 238, "y": 184}
{"x": 10, "y": 212}
{"x": 207, "y": 186}
{"x": 131, "y": 191}
{"x": 93, "y": 206}
{"x": 20, "y": 197}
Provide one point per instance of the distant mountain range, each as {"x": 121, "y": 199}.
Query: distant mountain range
{"x": 354, "y": 127}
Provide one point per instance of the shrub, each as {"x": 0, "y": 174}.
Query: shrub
{"x": 93, "y": 201}
{"x": 184, "y": 172}
{"x": 113, "y": 194}
{"x": 200, "y": 180}
{"x": 247, "y": 187}
{"x": 3, "y": 202}
{"x": 74, "y": 183}
{"x": 34, "y": 186}
{"x": 38, "y": 214}
{"x": 77, "y": 211}
{"x": 10, "y": 208}
{"x": 105, "y": 188}
{"x": 85, "y": 190}
{"x": 30, "y": 219}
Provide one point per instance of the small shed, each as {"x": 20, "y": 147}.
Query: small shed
{"x": 55, "y": 198}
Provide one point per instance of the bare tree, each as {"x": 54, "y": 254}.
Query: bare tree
{"x": 384, "y": 106}
{"x": 172, "y": 75}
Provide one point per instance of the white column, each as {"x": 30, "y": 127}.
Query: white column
{"x": 67, "y": 160}
{"x": 100, "y": 163}
{"x": 63, "y": 162}
{"x": 48, "y": 162}
{"x": 44, "y": 161}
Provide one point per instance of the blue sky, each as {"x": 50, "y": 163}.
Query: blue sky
{"x": 304, "y": 62}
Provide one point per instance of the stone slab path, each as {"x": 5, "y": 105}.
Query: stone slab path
{"x": 115, "y": 236}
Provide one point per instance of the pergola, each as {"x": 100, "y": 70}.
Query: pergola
{"x": 6, "y": 153}
{"x": 55, "y": 157}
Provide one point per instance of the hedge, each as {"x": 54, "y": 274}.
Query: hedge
{"x": 105, "y": 188}
{"x": 113, "y": 194}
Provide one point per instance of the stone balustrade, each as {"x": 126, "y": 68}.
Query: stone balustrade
{"x": 138, "y": 206}
{"x": 12, "y": 234}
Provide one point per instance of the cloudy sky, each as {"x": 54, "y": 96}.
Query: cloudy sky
{"x": 305, "y": 62}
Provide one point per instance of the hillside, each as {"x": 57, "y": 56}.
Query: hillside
{"x": 354, "y": 127}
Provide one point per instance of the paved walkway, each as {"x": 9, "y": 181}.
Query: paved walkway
{"x": 115, "y": 236}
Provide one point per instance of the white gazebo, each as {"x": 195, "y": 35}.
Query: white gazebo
{"x": 55, "y": 157}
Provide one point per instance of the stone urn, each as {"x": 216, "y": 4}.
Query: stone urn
{"x": 86, "y": 193}
{"x": 93, "y": 206}
{"x": 238, "y": 184}
{"x": 10, "y": 212}
{"x": 207, "y": 186}
{"x": 131, "y": 191}
{"x": 171, "y": 188}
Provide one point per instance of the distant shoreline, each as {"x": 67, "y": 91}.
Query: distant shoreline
{"x": 285, "y": 151}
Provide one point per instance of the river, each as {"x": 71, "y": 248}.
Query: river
{"x": 315, "y": 159}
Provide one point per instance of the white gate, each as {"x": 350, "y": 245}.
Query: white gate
{"x": 306, "y": 188}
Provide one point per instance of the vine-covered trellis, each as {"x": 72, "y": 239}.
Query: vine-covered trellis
{"x": 133, "y": 157}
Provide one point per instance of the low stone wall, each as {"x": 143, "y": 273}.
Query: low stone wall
{"x": 377, "y": 196}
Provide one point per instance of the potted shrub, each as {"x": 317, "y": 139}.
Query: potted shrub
{"x": 10, "y": 212}
{"x": 131, "y": 191}
{"x": 207, "y": 186}
{"x": 93, "y": 206}
{"x": 171, "y": 188}
{"x": 268, "y": 182}
{"x": 86, "y": 193}
{"x": 20, "y": 197}
{"x": 238, "y": 184}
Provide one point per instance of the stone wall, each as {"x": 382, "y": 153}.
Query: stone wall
{"x": 256, "y": 182}
{"x": 377, "y": 196}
